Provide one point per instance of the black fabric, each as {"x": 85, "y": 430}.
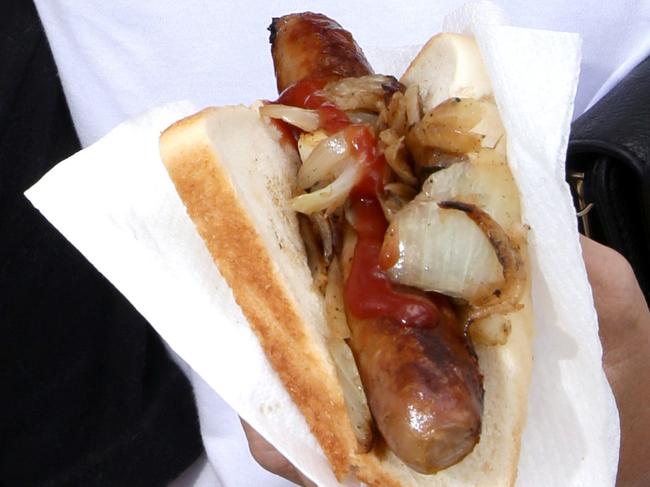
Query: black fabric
{"x": 89, "y": 395}
{"x": 610, "y": 144}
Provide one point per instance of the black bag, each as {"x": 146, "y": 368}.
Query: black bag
{"x": 608, "y": 168}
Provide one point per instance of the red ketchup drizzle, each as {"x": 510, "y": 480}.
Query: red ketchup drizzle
{"x": 304, "y": 94}
{"x": 287, "y": 132}
{"x": 368, "y": 290}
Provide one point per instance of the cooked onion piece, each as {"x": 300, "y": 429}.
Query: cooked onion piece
{"x": 331, "y": 196}
{"x": 485, "y": 181}
{"x": 367, "y": 118}
{"x": 325, "y": 162}
{"x": 394, "y": 198}
{"x": 334, "y": 304}
{"x": 355, "y": 399}
{"x": 304, "y": 119}
{"x": 428, "y": 161}
{"x": 325, "y": 231}
{"x": 395, "y": 153}
{"x": 490, "y": 127}
{"x": 504, "y": 298}
{"x": 393, "y": 116}
{"x": 459, "y": 114}
{"x": 362, "y": 93}
{"x": 315, "y": 258}
{"x": 412, "y": 100}
{"x": 307, "y": 142}
{"x": 491, "y": 331}
{"x": 442, "y": 250}
{"x": 447, "y": 127}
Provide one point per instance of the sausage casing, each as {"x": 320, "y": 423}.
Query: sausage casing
{"x": 310, "y": 45}
{"x": 424, "y": 389}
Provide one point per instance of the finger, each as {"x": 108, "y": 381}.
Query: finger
{"x": 271, "y": 459}
{"x": 625, "y": 333}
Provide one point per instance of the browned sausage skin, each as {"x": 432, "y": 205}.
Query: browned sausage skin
{"x": 423, "y": 388}
{"x": 423, "y": 385}
{"x": 310, "y": 45}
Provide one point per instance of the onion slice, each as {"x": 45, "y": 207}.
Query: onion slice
{"x": 331, "y": 196}
{"x": 395, "y": 197}
{"x": 491, "y": 331}
{"x": 315, "y": 259}
{"x": 325, "y": 231}
{"x": 441, "y": 250}
{"x": 448, "y": 127}
{"x": 361, "y": 93}
{"x": 325, "y": 161}
{"x": 506, "y": 298}
{"x": 355, "y": 398}
{"x": 413, "y": 110}
{"x": 485, "y": 181}
{"x": 308, "y": 141}
{"x": 304, "y": 119}
{"x": 395, "y": 153}
{"x": 334, "y": 303}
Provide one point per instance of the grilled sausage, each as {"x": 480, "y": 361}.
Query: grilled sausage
{"x": 423, "y": 388}
{"x": 310, "y": 45}
{"x": 423, "y": 385}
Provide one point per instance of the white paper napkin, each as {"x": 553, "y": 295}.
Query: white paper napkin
{"x": 115, "y": 203}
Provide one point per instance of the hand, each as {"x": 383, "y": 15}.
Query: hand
{"x": 624, "y": 322}
{"x": 271, "y": 459}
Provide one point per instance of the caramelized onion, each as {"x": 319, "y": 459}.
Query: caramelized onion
{"x": 485, "y": 180}
{"x": 358, "y": 116}
{"x": 325, "y": 231}
{"x": 325, "y": 162}
{"x": 315, "y": 259}
{"x": 393, "y": 115}
{"x": 492, "y": 330}
{"x": 505, "y": 298}
{"x": 441, "y": 250}
{"x": 334, "y": 303}
{"x": 395, "y": 154}
{"x": 304, "y": 119}
{"x": 395, "y": 197}
{"x": 490, "y": 127}
{"x": 412, "y": 100}
{"x": 447, "y": 127}
{"x": 362, "y": 93}
{"x": 461, "y": 114}
{"x": 307, "y": 142}
{"x": 331, "y": 196}
{"x": 355, "y": 398}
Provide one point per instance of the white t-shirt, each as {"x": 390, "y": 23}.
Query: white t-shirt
{"x": 120, "y": 58}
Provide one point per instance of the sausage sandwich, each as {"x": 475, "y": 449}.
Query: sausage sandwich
{"x": 370, "y": 231}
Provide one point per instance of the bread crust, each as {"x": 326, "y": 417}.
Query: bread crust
{"x": 212, "y": 202}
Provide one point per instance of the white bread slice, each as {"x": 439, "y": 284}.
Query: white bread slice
{"x": 235, "y": 178}
{"x": 448, "y": 65}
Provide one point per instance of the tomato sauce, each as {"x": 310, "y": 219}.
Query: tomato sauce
{"x": 369, "y": 293}
{"x": 304, "y": 94}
